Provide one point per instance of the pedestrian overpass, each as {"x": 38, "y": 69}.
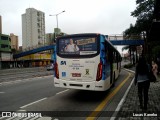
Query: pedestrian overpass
{"x": 51, "y": 47}
{"x": 33, "y": 51}
{"x": 127, "y": 42}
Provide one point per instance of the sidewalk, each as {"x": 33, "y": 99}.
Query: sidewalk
{"x": 130, "y": 108}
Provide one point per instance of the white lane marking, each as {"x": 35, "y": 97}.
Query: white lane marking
{"x": 22, "y": 118}
{"x": 23, "y": 80}
{"x": 29, "y": 118}
{"x": 2, "y": 92}
{"x": 12, "y": 82}
{"x": 21, "y": 110}
{"x": 43, "y": 76}
{"x": 62, "y": 92}
{"x": 123, "y": 99}
{"x": 1, "y": 118}
{"x": 32, "y": 103}
{"x": 47, "y": 118}
{"x": 129, "y": 70}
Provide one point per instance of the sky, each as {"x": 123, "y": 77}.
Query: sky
{"x": 108, "y": 17}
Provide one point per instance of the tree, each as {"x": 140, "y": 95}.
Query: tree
{"x": 131, "y": 33}
{"x": 156, "y": 52}
{"x": 145, "y": 14}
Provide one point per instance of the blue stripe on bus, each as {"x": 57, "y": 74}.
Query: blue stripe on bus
{"x": 103, "y": 57}
{"x": 54, "y": 58}
{"x": 54, "y": 54}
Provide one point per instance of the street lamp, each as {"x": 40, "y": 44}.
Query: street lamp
{"x": 57, "y": 17}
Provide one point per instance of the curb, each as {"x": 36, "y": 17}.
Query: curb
{"x": 123, "y": 98}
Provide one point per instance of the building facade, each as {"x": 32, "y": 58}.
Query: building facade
{"x": 14, "y": 42}
{"x": 50, "y": 38}
{"x": 33, "y": 28}
{"x": 5, "y": 43}
{"x": 5, "y": 51}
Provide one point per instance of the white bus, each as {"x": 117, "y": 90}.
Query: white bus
{"x": 86, "y": 62}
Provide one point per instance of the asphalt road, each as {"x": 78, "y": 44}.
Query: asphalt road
{"x": 13, "y": 95}
{"x": 23, "y": 73}
{"x": 39, "y": 94}
{"x": 32, "y": 89}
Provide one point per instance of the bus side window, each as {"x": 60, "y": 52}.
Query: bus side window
{"x": 107, "y": 51}
{"x": 114, "y": 57}
{"x": 111, "y": 59}
{"x": 117, "y": 58}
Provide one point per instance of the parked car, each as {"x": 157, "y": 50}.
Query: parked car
{"x": 50, "y": 67}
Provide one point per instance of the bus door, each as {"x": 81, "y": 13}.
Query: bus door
{"x": 109, "y": 53}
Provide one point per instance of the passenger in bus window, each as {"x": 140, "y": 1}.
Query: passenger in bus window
{"x": 71, "y": 47}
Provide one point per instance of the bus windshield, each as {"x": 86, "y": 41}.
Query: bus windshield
{"x": 77, "y": 46}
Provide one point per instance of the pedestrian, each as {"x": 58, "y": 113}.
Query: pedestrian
{"x": 154, "y": 69}
{"x": 142, "y": 79}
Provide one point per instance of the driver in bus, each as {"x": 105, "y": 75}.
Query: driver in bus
{"x": 71, "y": 47}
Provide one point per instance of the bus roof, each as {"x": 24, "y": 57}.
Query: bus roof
{"x": 79, "y": 34}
